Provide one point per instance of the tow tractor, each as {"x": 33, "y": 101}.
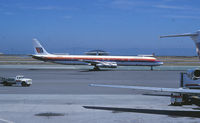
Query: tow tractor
{"x": 186, "y": 82}
{"x": 18, "y": 80}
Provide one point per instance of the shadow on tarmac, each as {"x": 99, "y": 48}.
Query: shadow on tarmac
{"x": 162, "y": 95}
{"x": 172, "y": 113}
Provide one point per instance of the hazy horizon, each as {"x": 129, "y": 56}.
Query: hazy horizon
{"x": 128, "y": 52}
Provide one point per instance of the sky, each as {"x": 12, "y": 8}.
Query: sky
{"x": 121, "y": 27}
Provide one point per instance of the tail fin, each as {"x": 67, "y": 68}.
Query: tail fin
{"x": 38, "y": 48}
{"x": 195, "y": 37}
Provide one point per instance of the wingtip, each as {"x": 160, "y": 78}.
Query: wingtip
{"x": 91, "y": 84}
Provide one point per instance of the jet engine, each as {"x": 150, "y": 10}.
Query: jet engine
{"x": 194, "y": 74}
{"x": 107, "y": 64}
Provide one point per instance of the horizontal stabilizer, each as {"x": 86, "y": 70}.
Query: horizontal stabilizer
{"x": 195, "y": 37}
{"x": 180, "y": 35}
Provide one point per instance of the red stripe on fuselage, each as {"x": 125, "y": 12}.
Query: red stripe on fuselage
{"x": 100, "y": 59}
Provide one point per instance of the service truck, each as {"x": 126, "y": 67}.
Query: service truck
{"x": 18, "y": 80}
{"x": 187, "y": 82}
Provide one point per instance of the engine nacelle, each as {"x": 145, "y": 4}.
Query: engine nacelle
{"x": 194, "y": 74}
{"x": 107, "y": 65}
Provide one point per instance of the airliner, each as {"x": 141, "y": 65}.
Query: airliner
{"x": 96, "y": 61}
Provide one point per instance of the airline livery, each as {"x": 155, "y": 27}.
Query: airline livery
{"x": 96, "y": 61}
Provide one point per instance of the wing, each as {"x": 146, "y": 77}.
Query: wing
{"x": 92, "y": 62}
{"x": 103, "y": 64}
{"x": 175, "y": 90}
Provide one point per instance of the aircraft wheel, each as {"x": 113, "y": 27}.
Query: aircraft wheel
{"x": 5, "y": 83}
{"x": 96, "y": 68}
{"x": 23, "y": 84}
{"x": 176, "y": 104}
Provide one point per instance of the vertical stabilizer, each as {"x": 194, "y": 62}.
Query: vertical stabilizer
{"x": 38, "y": 48}
{"x": 195, "y": 37}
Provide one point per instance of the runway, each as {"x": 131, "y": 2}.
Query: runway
{"x": 63, "y": 95}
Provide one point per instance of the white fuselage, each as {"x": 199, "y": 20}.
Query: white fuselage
{"x": 85, "y": 59}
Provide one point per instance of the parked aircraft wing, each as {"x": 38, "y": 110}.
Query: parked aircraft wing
{"x": 173, "y": 90}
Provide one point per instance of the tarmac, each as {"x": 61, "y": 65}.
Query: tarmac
{"x": 63, "y": 95}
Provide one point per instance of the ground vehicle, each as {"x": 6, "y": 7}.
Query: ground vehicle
{"x": 186, "y": 82}
{"x": 18, "y": 80}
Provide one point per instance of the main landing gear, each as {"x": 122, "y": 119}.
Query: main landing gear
{"x": 151, "y": 67}
{"x": 96, "y": 68}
